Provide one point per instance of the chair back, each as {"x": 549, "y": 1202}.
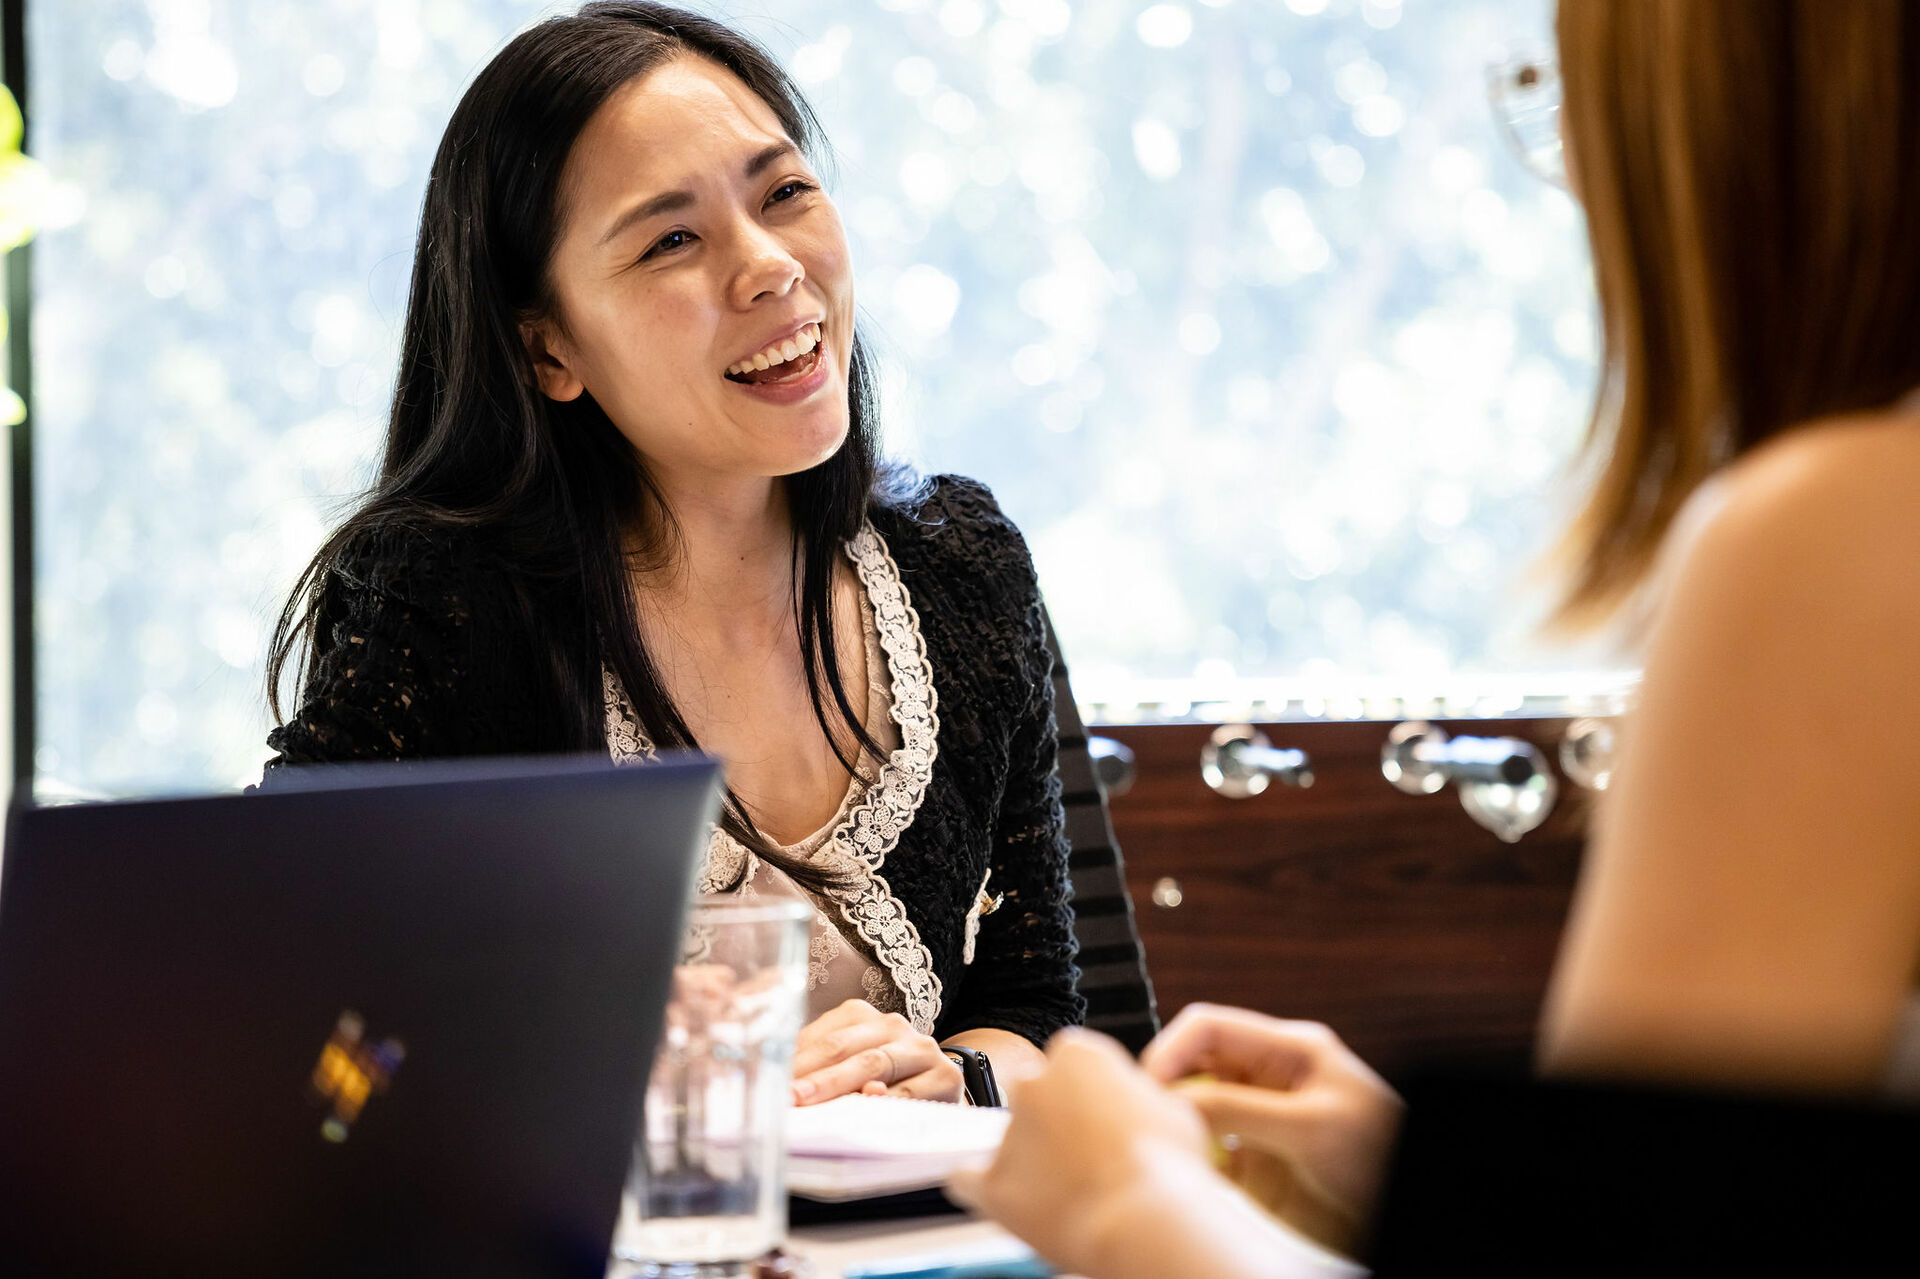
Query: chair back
{"x": 1113, "y": 965}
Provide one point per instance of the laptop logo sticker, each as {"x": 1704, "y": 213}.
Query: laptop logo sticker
{"x": 350, "y": 1070}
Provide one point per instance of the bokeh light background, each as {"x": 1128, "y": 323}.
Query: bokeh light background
{"x": 1238, "y": 305}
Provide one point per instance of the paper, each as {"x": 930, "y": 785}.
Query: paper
{"x": 856, "y": 1147}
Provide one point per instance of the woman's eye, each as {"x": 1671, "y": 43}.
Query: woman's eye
{"x": 669, "y": 242}
{"x": 789, "y": 190}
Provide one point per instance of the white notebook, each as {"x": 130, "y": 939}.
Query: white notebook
{"x": 856, "y": 1147}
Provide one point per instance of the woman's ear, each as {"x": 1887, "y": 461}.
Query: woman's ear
{"x": 552, "y": 361}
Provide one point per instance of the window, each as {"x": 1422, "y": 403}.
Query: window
{"x": 1237, "y": 304}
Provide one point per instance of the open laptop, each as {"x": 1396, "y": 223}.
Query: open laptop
{"x": 379, "y": 1020}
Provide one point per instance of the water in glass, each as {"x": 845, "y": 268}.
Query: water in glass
{"x": 707, "y": 1192}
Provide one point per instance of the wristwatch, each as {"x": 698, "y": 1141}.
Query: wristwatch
{"x": 977, "y": 1072}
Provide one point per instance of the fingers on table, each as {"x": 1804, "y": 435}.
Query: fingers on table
{"x": 1236, "y": 1043}
{"x": 880, "y": 1063}
{"x": 1245, "y": 1110}
{"x": 836, "y": 1044}
{"x": 943, "y": 1082}
{"x": 890, "y": 1052}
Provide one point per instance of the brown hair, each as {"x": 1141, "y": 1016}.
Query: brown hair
{"x": 1751, "y": 178}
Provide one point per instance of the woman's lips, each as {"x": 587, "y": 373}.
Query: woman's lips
{"x": 780, "y": 352}
{"x": 809, "y": 375}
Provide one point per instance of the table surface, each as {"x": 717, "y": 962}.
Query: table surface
{"x": 832, "y": 1249}
{"x": 951, "y": 1239}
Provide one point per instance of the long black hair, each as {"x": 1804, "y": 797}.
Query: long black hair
{"x": 473, "y": 446}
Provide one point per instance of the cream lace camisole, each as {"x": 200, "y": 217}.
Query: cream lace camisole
{"x": 839, "y": 968}
{"x": 853, "y": 927}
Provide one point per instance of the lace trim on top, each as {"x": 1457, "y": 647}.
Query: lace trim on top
{"x": 625, "y": 742}
{"x": 872, "y": 827}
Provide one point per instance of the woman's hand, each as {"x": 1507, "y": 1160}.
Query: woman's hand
{"x": 1292, "y": 1092}
{"x": 858, "y": 1048}
{"x": 1091, "y": 1143}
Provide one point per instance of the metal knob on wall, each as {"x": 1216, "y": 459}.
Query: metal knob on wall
{"x": 1239, "y": 762}
{"x": 1586, "y": 753}
{"x": 1505, "y": 783}
{"x": 1112, "y": 764}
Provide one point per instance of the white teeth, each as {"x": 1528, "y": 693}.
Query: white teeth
{"x": 791, "y": 349}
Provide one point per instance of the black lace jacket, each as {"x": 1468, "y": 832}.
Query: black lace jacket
{"x": 419, "y": 655}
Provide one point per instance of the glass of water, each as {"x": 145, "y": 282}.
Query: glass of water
{"x": 707, "y": 1192}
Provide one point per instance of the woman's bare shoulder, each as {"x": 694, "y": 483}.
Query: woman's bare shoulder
{"x": 1825, "y": 514}
{"x": 1833, "y": 473}
{"x": 1765, "y": 787}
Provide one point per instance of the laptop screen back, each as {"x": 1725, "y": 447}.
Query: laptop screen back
{"x": 395, "y": 1022}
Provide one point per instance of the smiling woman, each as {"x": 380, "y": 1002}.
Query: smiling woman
{"x": 632, "y": 499}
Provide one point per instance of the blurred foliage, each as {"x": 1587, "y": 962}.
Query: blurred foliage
{"x": 22, "y": 183}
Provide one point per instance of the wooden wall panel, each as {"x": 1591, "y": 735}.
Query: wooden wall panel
{"x": 1395, "y": 918}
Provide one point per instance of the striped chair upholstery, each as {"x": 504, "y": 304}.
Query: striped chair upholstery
{"x": 1113, "y": 967}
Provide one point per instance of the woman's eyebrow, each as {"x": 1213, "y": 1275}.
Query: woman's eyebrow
{"x": 767, "y": 155}
{"x": 674, "y": 201}
{"x": 668, "y": 202}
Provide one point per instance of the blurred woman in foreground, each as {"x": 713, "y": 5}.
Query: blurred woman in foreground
{"x": 1749, "y": 912}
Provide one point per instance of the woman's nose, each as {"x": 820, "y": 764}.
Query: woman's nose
{"x": 767, "y": 267}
